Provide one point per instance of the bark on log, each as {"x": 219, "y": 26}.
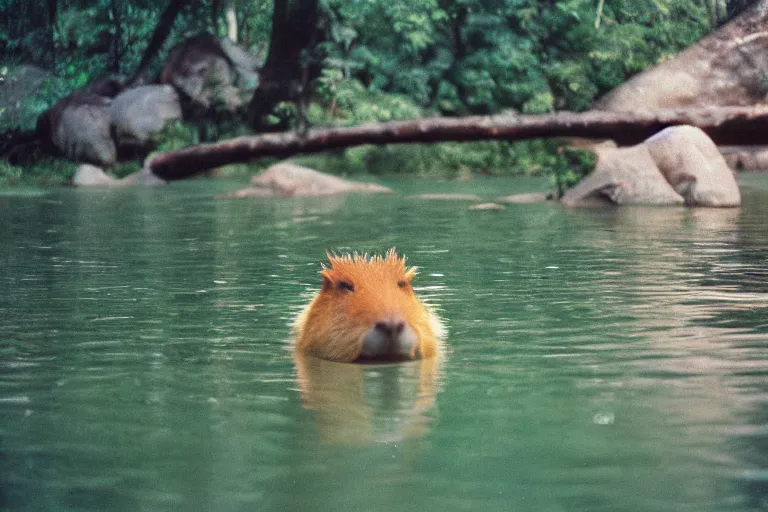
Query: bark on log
{"x": 726, "y": 126}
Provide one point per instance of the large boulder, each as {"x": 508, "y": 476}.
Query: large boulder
{"x": 203, "y": 73}
{"x": 79, "y": 128}
{"x": 623, "y": 176}
{"x": 139, "y": 113}
{"x": 727, "y": 67}
{"x": 692, "y": 164}
{"x": 287, "y": 179}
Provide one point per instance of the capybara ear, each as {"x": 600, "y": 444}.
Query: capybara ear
{"x": 327, "y": 284}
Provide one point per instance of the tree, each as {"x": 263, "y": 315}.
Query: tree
{"x": 159, "y": 35}
{"x": 286, "y": 73}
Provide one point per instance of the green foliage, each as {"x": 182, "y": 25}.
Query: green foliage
{"x": 446, "y": 160}
{"x": 482, "y": 56}
{"x": 382, "y": 61}
{"x": 348, "y": 102}
{"x": 571, "y": 165}
{"x": 25, "y": 97}
{"x": 175, "y": 135}
{"x": 49, "y": 171}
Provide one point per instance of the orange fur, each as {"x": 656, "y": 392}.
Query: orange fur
{"x": 333, "y": 325}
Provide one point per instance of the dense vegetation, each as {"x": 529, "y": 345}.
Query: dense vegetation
{"x": 381, "y": 60}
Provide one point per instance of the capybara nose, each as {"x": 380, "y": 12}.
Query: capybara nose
{"x": 390, "y": 327}
{"x": 389, "y": 339}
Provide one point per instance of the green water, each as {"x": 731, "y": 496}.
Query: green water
{"x": 597, "y": 360}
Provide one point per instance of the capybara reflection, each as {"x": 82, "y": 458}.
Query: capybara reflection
{"x": 357, "y": 404}
{"x": 367, "y": 311}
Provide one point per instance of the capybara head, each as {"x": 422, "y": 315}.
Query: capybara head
{"x": 367, "y": 311}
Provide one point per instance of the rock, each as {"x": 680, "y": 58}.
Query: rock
{"x": 623, "y": 176}
{"x": 139, "y": 113}
{"x": 486, "y": 206}
{"x": 524, "y": 198}
{"x": 79, "y": 127}
{"x": 449, "y": 197}
{"x": 143, "y": 177}
{"x": 749, "y": 158}
{"x": 91, "y": 176}
{"x": 201, "y": 70}
{"x": 287, "y": 179}
{"x": 692, "y": 164}
{"x": 724, "y": 68}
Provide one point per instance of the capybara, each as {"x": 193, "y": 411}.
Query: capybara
{"x": 367, "y": 311}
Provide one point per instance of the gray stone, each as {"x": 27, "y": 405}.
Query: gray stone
{"x": 486, "y": 206}
{"x": 623, "y": 176}
{"x": 287, "y": 179}
{"x": 448, "y": 197}
{"x": 201, "y": 69}
{"x": 88, "y": 175}
{"x": 524, "y": 198}
{"x": 139, "y": 113}
{"x": 692, "y": 164}
{"x": 79, "y": 127}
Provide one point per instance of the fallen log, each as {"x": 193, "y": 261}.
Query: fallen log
{"x": 725, "y": 125}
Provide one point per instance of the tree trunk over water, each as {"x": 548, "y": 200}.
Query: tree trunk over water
{"x": 727, "y": 126}
{"x": 284, "y": 76}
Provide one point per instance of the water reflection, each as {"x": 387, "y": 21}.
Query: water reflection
{"x": 699, "y": 304}
{"x": 359, "y": 404}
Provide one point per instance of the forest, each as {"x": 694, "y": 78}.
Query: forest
{"x": 340, "y": 63}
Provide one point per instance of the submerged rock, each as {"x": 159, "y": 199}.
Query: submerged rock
{"x": 88, "y": 175}
{"x": 487, "y": 206}
{"x": 287, "y": 179}
{"x": 534, "y": 197}
{"x": 250, "y": 192}
{"x": 449, "y": 197}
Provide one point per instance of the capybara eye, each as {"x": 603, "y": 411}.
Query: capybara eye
{"x": 346, "y": 286}
{"x": 402, "y": 284}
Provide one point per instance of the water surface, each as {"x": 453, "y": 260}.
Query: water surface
{"x": 596, "y": 359}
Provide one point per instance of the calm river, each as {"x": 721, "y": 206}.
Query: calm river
{"x": 597, "y": 360}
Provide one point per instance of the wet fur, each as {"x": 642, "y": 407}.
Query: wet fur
{"x": 334, "y": 323}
